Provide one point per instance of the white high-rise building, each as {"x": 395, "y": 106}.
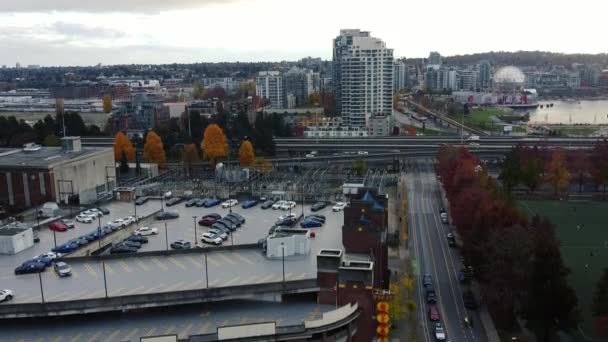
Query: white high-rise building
{"x": 363, "y": 77}
{"x": 269, "y": 85}
{"x": 400, "y": 75}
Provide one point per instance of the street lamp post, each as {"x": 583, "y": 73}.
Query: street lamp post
{"x": 206, "y": 271}
{"x": 105, "y": 281}
{"x": 41, "y": 290}
{"x": 135, "y": 212}
{"x": 166, "y": 237}
{"x": 162, "y": 208}
{"x": 99, "y": 230}
{"x": 195, "y": 234}
{"x": 55, "y": 238}
{"x": 283, "y": 259}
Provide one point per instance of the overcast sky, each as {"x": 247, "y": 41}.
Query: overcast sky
{"x": 87, "y": 32}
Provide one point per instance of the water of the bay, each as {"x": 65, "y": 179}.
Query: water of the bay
{"x": 571, "y": 112}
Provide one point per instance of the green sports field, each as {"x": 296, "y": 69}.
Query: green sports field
{"x": 585, "y": 250}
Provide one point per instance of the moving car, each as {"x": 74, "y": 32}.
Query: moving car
{"x": 191, "y": 202}
{"x": 30, "y": 267}
{"x": 310, "y": 224}
{"x": 219, "y": 232}
{"x": 174, "y": 201}
{"x": 439, "y": 332}
{"x": 444, "y": 217}
{"x": 278, "y": 205}
{"x": 122, "y": 249}
{"x": 212, "y": 202}
{"x": 339, "y": 206}
{"x": 433, "y": 313}
{"x": 62, "y": 269}
{"x": 211, "y": 239}
{"x": 84, "y": 218}
{"x": 451, "y": 239}
{"x": 288, "y": 205}
{"x": 68, "y": 223}
{"x": 181, "y": 244}
{"x": 138, "y": 238}
{"x": 361, "y": 153}
{"x": 427, "y": 280}
{"x": 145, "y": 231}
{"x": 167, "y": 215}
{"x": 249, "y": 203}
{"x": 141, "y": 200}
{"x": 237, "y": 216}
{"x": 229, "y": 203}
{"x": 318, "y": 206}
{"x": 431, "y": 296}
{"x": 6, "y": 295}
{"x": 267, "y": 204}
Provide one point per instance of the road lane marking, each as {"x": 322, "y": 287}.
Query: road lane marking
{"x": 153, "y": 288}
{"x": 226, "y": 259}
{"x": 238, "y": 255}
{"x": 160, "y": 264}
{"x": 130, "y": 335}
{"x": 204, "y": 328}
{"x": 212, "y": 262}
{"x": 95, "y": 337}
{"x": 231, "y": 281}
{"x": 249, "y": 280}
{"x": 90, "y": 270}
{"x": 112, "y": 336}
{"x": 142, "y": 265}
{"x": 184, "y": 333}
{"x": 140, "y": 288}
{"x": 194, "y": 262}
{"x": 76, "y": 338}
{"x": 125, "y": 266}
{"x": 173, "y": 287}
{"x": 169, "y": 329}
{"x": 150, "y": 332}
{"x": 109, "y": 269}
{"x": 266, "y": 279}
{"x": 177, "y": 263}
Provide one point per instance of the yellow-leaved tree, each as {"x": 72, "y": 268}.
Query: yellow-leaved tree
{"x": 214, "y": 144}
{"x": 107, "y": 104}
{"x": 246, "y": 154}
{"x": 154, "y": 152}
{"x": 557, "y": 172}
{"x": 59, "y": 106}
{"x": 123, "y": 144}
{"x": 190, "y": 155}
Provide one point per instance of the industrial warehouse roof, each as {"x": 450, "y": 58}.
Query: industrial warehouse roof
{"x": 44, "y": 157}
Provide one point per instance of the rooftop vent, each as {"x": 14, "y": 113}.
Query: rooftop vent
{"x": 31, "y": 147}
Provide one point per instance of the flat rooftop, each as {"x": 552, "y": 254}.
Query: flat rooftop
{"x": 44, "y": 157}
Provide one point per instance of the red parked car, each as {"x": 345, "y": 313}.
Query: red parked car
{"x": 207, "y": 221}
{"x": 58, "y": 226}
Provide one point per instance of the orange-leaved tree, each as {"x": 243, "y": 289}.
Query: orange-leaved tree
{"x": 59, "y": 106}
{"x": 557, "y": 173}
{"x": 122, "y": 143}
{"x": 214, "y": 143}
{"x": 190, "y": 155}
{"x": 246, "y": 154}
{"x": 154, "y": 152}
{"x": 107, "y": 104}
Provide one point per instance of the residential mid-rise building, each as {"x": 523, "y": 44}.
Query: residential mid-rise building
{"x": 400, "y": 75}
{"x": 269, "y": 86}
{"x": 299, "y": 84}
{"x": 484, "y": 80}
{"x": 363, "y": 77}
{"x": 468, "y": 78}
{"x": 435, "y": 61}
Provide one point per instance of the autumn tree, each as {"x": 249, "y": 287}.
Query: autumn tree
{"x": 122, "y": 144}
{"x": 557, "y": 173}
{"x": 600, "y": 164}
{"x": 314, "y": 99}
{"x": 154, "y": 151}
{"x": 107, "y": 104}
{"x": 600, "y": 304}
{"x": 531, "y": 167}
{"x": 579, "y": 165}
{"x": 59, "y": 106}
{"x": 214, "y": 143}
{"x": 246, "y": 154}
{"x": 190, "y": 155}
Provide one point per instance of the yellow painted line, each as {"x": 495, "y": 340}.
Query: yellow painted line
{"x": 115, "y": 291}
{"x": 112, "y": 336}
{"x": 150, "y": 332}
{"x": 95, "y": 337}
{"x": 266, "y": 279}
{"x": 130, "y": 335}
{"x": 173, "y": 287}
{"x": 57, "y": 339}
{"x": 160, "y": 264}
{"x": 125, "y": 266}
{"x": 153, "y": 288}
{"x": 169, "y": 329}
{"x": 195, "y": 262}
{"x": 249, "y": 280}
{"x": 227, "y": 259}
{"x": 238, "y": 255}
{"x": 140, "y": 288}
{"x": 142, "y": 265}
{"x": 184, "y": 333}
{"x": 90, "y": 270}
{"x": 211, "y": 261}
{"x": 301, "y": 276}
{"x": 204, "y": 328}
{"x": 232, "y": 281}
{"x": 76, "y": 338}
{"x": 109, "y": 269}
{"x": 177, "y": 263}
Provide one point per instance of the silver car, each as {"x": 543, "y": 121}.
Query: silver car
{"x": 62, "y": 269}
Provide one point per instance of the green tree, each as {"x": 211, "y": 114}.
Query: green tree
{"x": 600, "y": 304}
{"x": 510, "y": 172}
{"x": 358, "y": 167}
{"x": 52, "y": 140}
{"x": 557, "y": 173}
{"x": 198, "y": 90}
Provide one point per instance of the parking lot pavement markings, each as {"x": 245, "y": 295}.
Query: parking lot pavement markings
{"x": 115, "y": 291}
{"x": 160, "y": 264}
{"x": 95, "y": 337}
{"x": 214, "y": 282}
{"x": 142, "y": 265}
{"x": 76, "y": 295}
{"x": 76, "y": 338}
{"x": 212, "y": 262}
{"x": 198, "y": 264}
{"x": 112, "y": 336}
{"x": 57, "y": 296}
{"x": 301, "y": 276}
{"x": 238, "y": 255}
{"x": 125, "y": 266}
{"x": 232, "y": 281}
{"x": 266, "y": 279}
{"x": 204, "y": 328}
{"x": 109, "y": 269}
{"x": 131, "y": 291}
{"x": 184, "y": 333}
{"x": 153, "y": 288}
{"x": 90, "y": 270}
{"x": 177, "y": 263}
{"x": 130, "y": 335}
{"x": 173, "y": 287}
{"x": 249, "y": 280}
{"x": 226, "y": 259}
{"x": 150, "y": 332}
{"x": 169, "y": 329}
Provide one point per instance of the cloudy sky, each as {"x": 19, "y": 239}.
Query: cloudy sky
{"x": 87, "y": 32}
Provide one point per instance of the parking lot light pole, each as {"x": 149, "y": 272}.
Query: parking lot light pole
{"x": 206, "y": 271}
{"x": 162, "y": 208}
{"x": 135, "y": 214}
{"x": 166, "y": 236}
{"x": 195, "y": 235}
{"x": 99, "y": 230}
{"x": 105, "y": 281}
{"x": 55, "y": 238}
{"x": 41, "y": 290}
{"x": 283, "y": 258}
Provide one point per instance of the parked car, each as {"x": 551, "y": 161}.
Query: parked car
{"x": 288, "y": 222}
{"x": 227, "y": 223}
{"x": 191, "y": 202}
{"x": 237, "y": 216}
{"x": 6, "y": 295}
{"x": 439, "y": 332}
{"x": 310, "y": 224}
{"x": 104, "y": 210}
{"x": 181, "y": 244}
{"x": 96, "y": 212}
{"x": 290, "y": 215}
{"x": 50, "y": 255}
{"x": 119, "y": 223}
{"x": 267, "y": 204}
{"x": 43, "y": 260}
{"x": 433, "y": 313}
{"x": 233, "y": 219}
{"x": 321, "y": 217}
{"x": 84, "y": 218}
{"x": 30, "y": 267}
{"x": 249, "y": 203}
{"x": 230, "y": 203}
{"x": 201, "y": 202}
{"x": 213, "y": 215}
{"x": 141, "y": 200}
{"x": 122, "y": 249}
{"x": 138, "y": 238}
{"x": 167, "y": 215}
{"x": 132, "y": 219}
{"x": 69, "y": 223}
{"x": 212, "y": 202}
{"x": 145, "y": 231}
{"x": 133, "y": 244}
{"x": 315, "y": 218}
{"x": 36, "y": 237}
{"x": 58, "y": 226}
{"x": 65, "y": 248}
{"x": 62, "y": 269}
{"x": 219, "y": 232}
{"x": 211, "y": 239}
{"x": 207, "y": 221}
{"x": 318, "y": 206}
{"x": 339, "y": 206}
{"x": 174, "y": 201}
{"x": 278, "y": 205}
{"x": 288, "y": 205}
{"x": 80, "y": 241}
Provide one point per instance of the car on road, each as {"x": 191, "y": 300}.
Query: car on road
{"x": 138, "y": 238}
{"x": 181, "y": 244}
{"x": 278, "y": 205}
{"x": 439, "y": 332}
{"x": 36, "y": 237}
{"x": 207, "y": 221}
{"x": 433, "y": 313}
{"x": 249, "y": 203}
{"x": 339, "y": 206}
{"x": 237, "y": 216}
{"x": 167, "y": 215}
{"x": 318, "y": 206}
{"x": 173, "y": 201}
{"x": 84, "y": 218}
{"x": 431, "y": 296}
{"x": 212, "y": 202}
{"x": 30, "y": 267}
{"x": 68, "y": 223}
{"x": 43, "y": 260}
{"x": 122, "y": 249}
{"x": 288, "y": 205}
{"x": 469, "y": 300}
{"x": 230, "y": 203}
{"x": 310, "y": 224}
{"x": 444, "y": 217}
{"x": 142, "y": 200}
{"x": 473, "y": 144}
{"x": 145, "y": 231}
{"x": 6, "y": 295}
{"x": 451, "y": 239}
{"x": 62, "y": 269}
{"x": 233, "y": 219}
{"x": 267, "y": 204}
{"x": 427, "y": 280}
{"x": 219, "y": 231}
{"x": 211, "y": 239}
{"x": 191, "y": 202}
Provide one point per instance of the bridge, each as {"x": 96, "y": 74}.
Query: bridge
{"x": 449, "y": 121}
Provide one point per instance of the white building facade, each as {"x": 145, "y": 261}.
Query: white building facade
{"x": 269, "y": 85}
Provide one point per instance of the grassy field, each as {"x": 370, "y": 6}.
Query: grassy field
{"x": 577, "y": 131}
{"x": 585, "y": 251}
{"x": 481, "y": 118}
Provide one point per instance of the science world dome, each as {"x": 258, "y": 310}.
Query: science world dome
{"x": 509, "y": 78}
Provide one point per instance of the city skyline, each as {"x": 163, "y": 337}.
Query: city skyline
{"x": 69, "y": 32}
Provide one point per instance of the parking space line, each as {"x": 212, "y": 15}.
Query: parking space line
{"x": 140, "y": 288}
{"x": 177, "y": 263}
{"x": 249, "y": 280}
{"x": 160, "y": 264}
{"x": 125, "y": 266}
{"x": 227, "y": 259}
{"x": 90, "y": 270}
{"x": 197, "y": 284}
{"x": 150, "y": 332}
{"x": 76, "y": 295}
{"x": 153, "y": 288}
{"x": 238, "y": 255}
{"x": 115, "y": 292}
{"x": 266, "y": 279}
{"x": 109, "y": 269}
{"x": 231, "y": 281}
{"x": 184, "y": 333}
{"x": 112, "y": 336}
{"x": 204, "y": 328}
{"x": 76, "y": 338}
{"x": 57, "y": 296}
{"x": 169, "y": 329}
{"x": 212, "y": 262}
{"x": 142, "y": 265}
{"x": 194, "y": 262}
{"x": 95, "y": 337}
{"x": 173, "y": 287}
{"x": 130, "y": 335}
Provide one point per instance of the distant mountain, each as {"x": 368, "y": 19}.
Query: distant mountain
{"x": 528, "y": 58}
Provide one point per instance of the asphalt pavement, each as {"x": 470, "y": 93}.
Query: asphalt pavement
{"x": 432, "y": 255}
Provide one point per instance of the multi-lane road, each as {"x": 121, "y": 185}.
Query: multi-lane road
{"x": 432, "y": 255}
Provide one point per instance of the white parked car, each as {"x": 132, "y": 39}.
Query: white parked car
{"x": 50, "y": 255}
{"x": 84, "y": 218}
{"x": 286, "y": 216}
{"x": 230, "y": 203}
{"x": 68, "y": 223}
{"x": 6, "y": 294}
{"x": 288, "y": 205}
{"x": 92, "y": 212}
{"x": 339, "y": 206}
{"x": 132, "y": 218}
{"x": 211, "y": 239}
{"x": 119, "y": 223}
{"x": 96, "y": 211}
{"x": 278, "y": 204}
{"x": 143, "y": 231}
{"x": 218, "y": 233}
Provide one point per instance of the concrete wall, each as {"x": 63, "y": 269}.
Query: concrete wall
{"x": 296, "y": 244}
{"x": 16, "y": 243}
